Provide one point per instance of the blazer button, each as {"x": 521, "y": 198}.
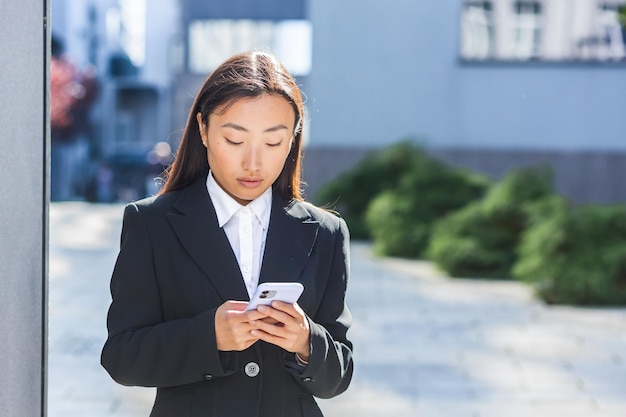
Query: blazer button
{"x": 252, "y": 369}
{"x": 208, "y": 377}
{"x": 308, "y": 379}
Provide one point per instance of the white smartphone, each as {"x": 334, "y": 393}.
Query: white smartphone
{"x": 288, "y": 292}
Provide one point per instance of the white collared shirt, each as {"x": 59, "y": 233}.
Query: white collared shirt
{"x": 245, "y": 227}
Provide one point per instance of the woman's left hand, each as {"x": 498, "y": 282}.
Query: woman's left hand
{"x": 288, "y": 328}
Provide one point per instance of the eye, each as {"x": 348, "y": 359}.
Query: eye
{"x": 230, "y": 142}
{"x": 275, "y": 144}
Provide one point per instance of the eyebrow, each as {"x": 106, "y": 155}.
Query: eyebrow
{"x": 243, "y": 129}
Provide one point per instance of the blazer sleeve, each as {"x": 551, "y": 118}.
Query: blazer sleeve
{"x": 142, "y": 349}
{"x": 330, "y": 366}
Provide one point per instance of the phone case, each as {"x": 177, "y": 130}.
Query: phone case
{"x": 288, "y": 292}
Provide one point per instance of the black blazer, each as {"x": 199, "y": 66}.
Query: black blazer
{"x": 176, "y": 267}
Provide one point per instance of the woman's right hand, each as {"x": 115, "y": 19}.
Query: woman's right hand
{"x": 232, "y": 326}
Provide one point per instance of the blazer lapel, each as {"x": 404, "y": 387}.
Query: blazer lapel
{"x": 290, "y": 239}
{"x": 197, "y": 229}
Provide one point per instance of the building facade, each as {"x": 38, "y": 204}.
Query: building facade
{"x": 131, "y": 47}
{"x": 489, "y": 85}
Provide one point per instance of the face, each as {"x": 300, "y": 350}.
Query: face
{"x": 248, "y": 143}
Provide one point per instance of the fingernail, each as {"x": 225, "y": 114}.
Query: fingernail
{"x": 262, "y": 309}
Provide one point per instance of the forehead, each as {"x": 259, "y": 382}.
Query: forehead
{"x": 266, "y": 108}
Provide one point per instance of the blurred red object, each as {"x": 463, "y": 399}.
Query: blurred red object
{"x": 72, "y": 94}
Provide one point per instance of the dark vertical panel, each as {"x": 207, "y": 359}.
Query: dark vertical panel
{"x": 23, "y": 210}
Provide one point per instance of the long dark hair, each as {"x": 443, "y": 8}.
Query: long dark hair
{"x": 245, "y": 75}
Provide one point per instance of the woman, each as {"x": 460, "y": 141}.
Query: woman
{"x": 230, "y": 216}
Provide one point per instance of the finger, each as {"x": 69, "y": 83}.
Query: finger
{"x": 289, "y": 343}
{"x": 286, "y": 308}
{"x": 273, "y": 329}
{"x": 253, "y": 315}
{"x": 275, "y": 314}
{"x": 293, "y": 310}
{"x": 242, "y": 334}
{"x": 232, "y": 312}
{"x": 270, "y": 320}
{"x": 273, "y": 339}
{"x": 235, "y": 316}
{"x": 235, "y": 305}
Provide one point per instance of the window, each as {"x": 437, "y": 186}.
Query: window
{"x": 477, "y": 30}
{"x": 526, "y": 30}
{"x": 213, "y": 41}
{"x": 543, "y": 30}
{"x": 126, "y": 24}
{"x": 605, "y": 40}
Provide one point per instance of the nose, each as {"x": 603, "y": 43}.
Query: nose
{"x": 252, "y": 158}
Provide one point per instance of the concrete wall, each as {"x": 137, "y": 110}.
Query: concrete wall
{"x": 581, "y": 176}
{"x": 23, "y": 211}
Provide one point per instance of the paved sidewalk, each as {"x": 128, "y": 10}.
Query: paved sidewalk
{"x": 425, "y": 345}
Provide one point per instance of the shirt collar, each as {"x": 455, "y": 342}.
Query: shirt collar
{"x": 226, "y": 206}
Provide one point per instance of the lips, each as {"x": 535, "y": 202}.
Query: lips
{"x": 250, "y": 182}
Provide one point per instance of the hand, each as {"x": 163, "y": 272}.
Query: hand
{"x": 285, "y": 325}
{"x": 233, "y": 328}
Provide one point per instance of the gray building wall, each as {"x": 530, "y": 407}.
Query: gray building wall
{"x": 385, "y": 71}
{"x": 23, "y": 212}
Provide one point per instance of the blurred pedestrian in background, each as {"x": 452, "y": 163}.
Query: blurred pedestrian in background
{"x": 72, "y": 94}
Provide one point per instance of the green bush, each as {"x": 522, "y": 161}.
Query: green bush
{"x": 351, "y": 192}
{"x": 400, "y": 219}
{"x": 575, "y": 255}
{"x": 386, "y": 214}
{"x": 480, "y": 240}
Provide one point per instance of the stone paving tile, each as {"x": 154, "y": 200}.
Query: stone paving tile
{"x": 83, "y": 247}
{"x": 425, "y": 345}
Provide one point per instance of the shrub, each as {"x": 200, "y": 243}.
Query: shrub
{"x": 575, "y": 255}
{"x": 465, "y": 244}
{"x": 480, "y": 239}
{"x": 351, "y": 192}
{"x": 387, "y": 213}
{"x": 400, "y": 219}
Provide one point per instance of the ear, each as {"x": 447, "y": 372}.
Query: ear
{"x": 202, "y": 128}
